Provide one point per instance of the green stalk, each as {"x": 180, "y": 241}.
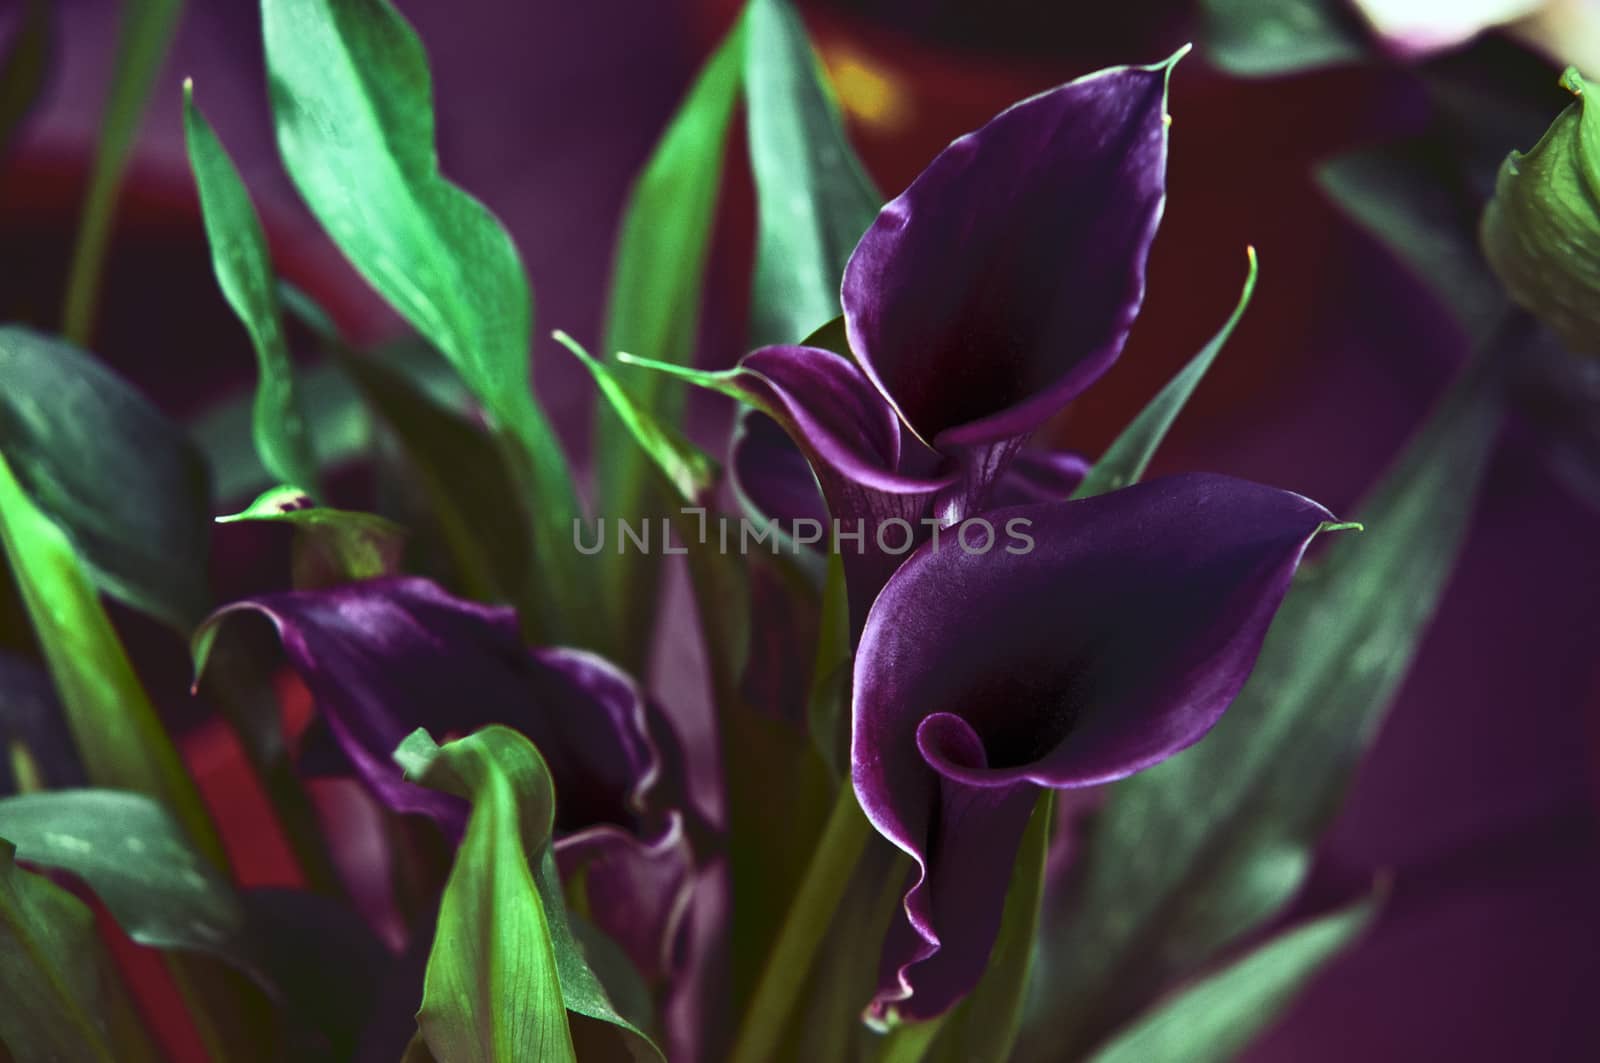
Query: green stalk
{"x": 147, "y": 28}
{"x": 814, "y": 908}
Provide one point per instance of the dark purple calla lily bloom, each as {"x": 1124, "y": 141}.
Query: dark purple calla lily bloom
{"x": 384, "y": 657}
{"x": 1114, "y": 631}
{"x": 982, "y": 300}
{"x": 1117, "y": 641}
{"x": 1004, "y": 281}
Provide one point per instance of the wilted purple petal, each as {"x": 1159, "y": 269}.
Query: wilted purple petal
{"x": 384, "y": 657}
{"x": 1004, "y": 280}
{"x": 1112, "y": 643}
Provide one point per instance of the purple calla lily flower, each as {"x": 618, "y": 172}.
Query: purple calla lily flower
{"x": 1117, "y": 641}
{"x": 983, "y": 299}
{"x": 1004, "y": 280}
{"x": 384, "y": 657}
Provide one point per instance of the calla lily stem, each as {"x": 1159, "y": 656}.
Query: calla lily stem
{"x": 815, "y": 905}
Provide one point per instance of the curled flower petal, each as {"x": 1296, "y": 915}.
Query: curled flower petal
{"x": 384, "y": 657}
{"x": 1004, "y": 280}
{"x": 1114, "y": 639}
{"x": 833, "y": 412}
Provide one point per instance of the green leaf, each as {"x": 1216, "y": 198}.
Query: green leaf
{"x": 118, "y": 734}
{"x": 814, "y": 199}
{"x": 134, "y": 855}
{"x": 722, "y": 381}
{"x": 1541, "y": 231}
{"x": 122, "y": 481}
{"x": 351, "y": 97}
{"x": 1267, "y": 38}
{"x": 691, "y": 471}
{"x": 654, "y": 308}
{"x": 24, "y": 68}
{"x": 142, "y": 41}
{"x": 1212, "y": 1020}
{"x": 1190, "y": 855}
{"x": 163, "y": 894}
{"x": 828, "y": 700}
{"x": 331, "y": 546}
{"x": 1125, "y": 461}
{"x": 832, "y": 336}
{"x": 505, "y": 967}
{"x": 341, "y": 426}
{"x": 1405, "y": 196}
{"x": 244, "y": 271}
{"x": 64, "y": 999}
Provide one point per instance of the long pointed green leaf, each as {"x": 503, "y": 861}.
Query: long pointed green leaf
{"x": 352, "y": 103}
{"x": 1125, "y": 461}
{"x": 813, "y": 196}
{"x": 244, "y": 271}
{"x": 122, "y": 481}
{"x": 505, "y": 967}
{"x": 828, "y": 699}
{"x": 1214, "y": 1019}
{"x": 118, "y": 734}
{"x": 723, "y": 381}
{"x": 24, "y": 68}
{"x": 656, "y": 290}
{"x": 142, "y": 40}
{"x": 1195, "y": 852}
{"x": 689, "y": 469}
{"x": 341, "y": 426}
{"x": 63, "y": 997}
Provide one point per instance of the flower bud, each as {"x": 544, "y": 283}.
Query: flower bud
{"x": 1541, "y": 230}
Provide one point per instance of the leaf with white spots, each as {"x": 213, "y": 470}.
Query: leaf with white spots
{"x": 132, "y": 853}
